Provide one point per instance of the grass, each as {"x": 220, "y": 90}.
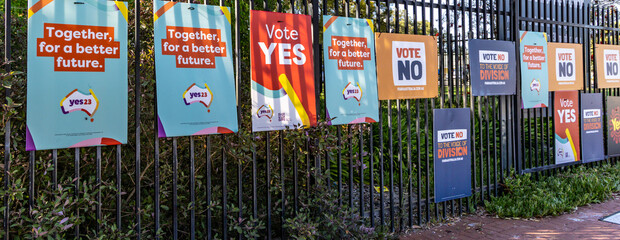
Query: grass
{"x": 525, "y": 197}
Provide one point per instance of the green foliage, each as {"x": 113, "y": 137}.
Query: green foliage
{"x": 321, "y": 217}
{"x": 526, "y": 197}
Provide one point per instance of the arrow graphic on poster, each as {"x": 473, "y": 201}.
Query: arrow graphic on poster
{"x": 572, "y": 144}
{"x": 286, "y": 85}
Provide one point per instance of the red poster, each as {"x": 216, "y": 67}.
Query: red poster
{"x": 282, "y": 71}
{"x": 566, "y": 120}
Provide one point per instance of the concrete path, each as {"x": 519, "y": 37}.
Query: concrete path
{"x": 581, "y": 224}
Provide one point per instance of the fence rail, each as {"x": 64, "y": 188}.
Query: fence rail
{"x": 264, "y": 185}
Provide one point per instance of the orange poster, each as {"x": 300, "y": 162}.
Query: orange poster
{"x": 565, "y": 66}
{"x": 406, "y": 66}
{"x": 607, "y": 64}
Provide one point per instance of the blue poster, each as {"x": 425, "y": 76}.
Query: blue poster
{"x": 534, "y": 75}
{"x": 452, "y": 153}
{"x": 350, "y": 72}
{"x": 492, "y": 67}
{"x": 77, "y": 83}
{"x": 592, "y": 147}
{"x": 194, "y": 67}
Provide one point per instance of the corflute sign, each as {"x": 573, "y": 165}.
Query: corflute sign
{"x": 350, "y": 73}
{"x": 195, "y": 76}
{"x": 77, "y": 86}
{"x": 493, "y": 67}
{"x": 566, "y": 121}
{"x": 452, "y": 149}
{"x": 565, "y": 66}
{"x": 413, "y": 69}
{"x": 282, "y": 72}
{"x": 593, "y": 148}
{"x": 608, "y": 65}
{"x": 613, "y": 126}
{"x": 534, "y": 75}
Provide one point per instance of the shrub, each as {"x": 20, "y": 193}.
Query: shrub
{"x": 526, "y": 197}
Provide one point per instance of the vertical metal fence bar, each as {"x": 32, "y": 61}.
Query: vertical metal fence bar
{"x": 224, "y": 192}
{"x": 542, "y": 14}
{"x": 464, "y": 84}
{"x": 282, "y": 181}
{"x": 473, "y": 116}
{"x": 295, "y": 180}
{"x": 175, "y": 164}
{"x": 453, "y": 87}
{"x": 361, "y": 143}
{"x": 7, "y": 126}
{"x": 156, "y": 174}
{"x": 455, "y": 60}
{"x": 391, "y": 173}
{"x": 237, "y": 59}
{"x": 419, "y": 162}
{"x": 427, "y": 196}
{"x": 428, "y": 160}
{"x": 381, "y": 173}
{"x": 208, "y": 186}
{"x": 55, "y": 173}
{"x": 350, "y": 134}
{"x": 77, "y": 188}
{"x": 494, "y": 99}
{"x": 31, "y": 180}
{"x": 399, "y": 129}
{"x": 400, "y": 167}
{"x": 118, "y": 188}
{"x": 371, "y": 157}
{"x": 381, "y": 144}
{"x": 538, "y": 111}
{"x": 515, "y": 9}
{"x": 408, "y": 127}
{"x": 137, "y": 97}
{"x": 192, "y": 189}
{"x": 339, "y": 163}
{"x": 418, "y": 149}
{"x": 361, "y": 168}
{"x": 98, "y": 186}
{"x": 268, "y": 181}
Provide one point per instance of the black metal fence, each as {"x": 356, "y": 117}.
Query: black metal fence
{"x": 261, "y": 185}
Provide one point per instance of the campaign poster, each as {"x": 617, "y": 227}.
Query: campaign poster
{"x": 77, "y": 83}
{"x": 565, "y": 66}
{"x": 492, "y": 67}
{"x": 566, "y": 121}
{"x": 408, "y": 66}
{"x": 534, "y": 75}
{"x": 194, "y": 69}
{"x": 607, "y": 65}
{"x": 282, "y": 72}
{"x": 451, "y": 144}
{"x": 350, "y": 71}
{"x": 592, "y": 136}
{"x": 613, "y": 126}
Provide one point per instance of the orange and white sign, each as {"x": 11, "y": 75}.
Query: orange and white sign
{"x": 565, "y": 66}
{"x": 608, "y": 65}
{"x": 412, "y": 72}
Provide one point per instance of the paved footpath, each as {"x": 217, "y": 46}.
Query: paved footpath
{"x": 581, "y": 224}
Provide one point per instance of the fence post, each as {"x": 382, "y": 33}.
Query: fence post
{"x": 7, "y": 127}
{"x": 137, "y": 91}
